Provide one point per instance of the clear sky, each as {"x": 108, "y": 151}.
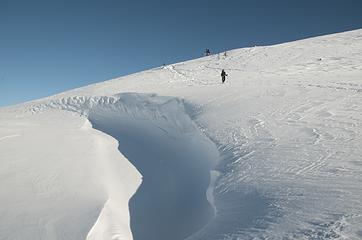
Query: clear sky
{"x": 49, "y": 46}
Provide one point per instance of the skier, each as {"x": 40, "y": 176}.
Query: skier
{"x": 223, "y": 75}
{"x": 207, "y": 52}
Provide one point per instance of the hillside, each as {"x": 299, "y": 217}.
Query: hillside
{"x": 171, "y": 153}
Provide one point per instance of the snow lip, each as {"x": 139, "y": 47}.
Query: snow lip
{"x": 164, "y": 123}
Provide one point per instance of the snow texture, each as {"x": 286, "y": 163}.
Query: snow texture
{"x": 171, "y": 153}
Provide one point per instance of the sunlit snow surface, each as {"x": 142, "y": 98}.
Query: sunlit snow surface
{"x": 282, "y": 137}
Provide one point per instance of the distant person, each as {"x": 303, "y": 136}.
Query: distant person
{"x": 207, "y": 52}
{"x": 223, "y": 75}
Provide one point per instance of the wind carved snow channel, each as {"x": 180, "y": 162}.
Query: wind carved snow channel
{"x": 174, "y": 158}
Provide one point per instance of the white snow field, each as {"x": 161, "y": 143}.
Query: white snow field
{"x": 171, "y": 153}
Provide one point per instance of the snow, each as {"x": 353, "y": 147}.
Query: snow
{"x": 53, "y": 184}
{"x": 171, "y": 153}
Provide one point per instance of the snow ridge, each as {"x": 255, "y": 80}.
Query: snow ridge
{"x": 180, "y": 154}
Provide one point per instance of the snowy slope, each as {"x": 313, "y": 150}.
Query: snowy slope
{"x": 171, "y": 153}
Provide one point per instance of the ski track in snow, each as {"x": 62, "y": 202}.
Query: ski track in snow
{"x": 286, "y": 126}
{"x": 9, "y": 136}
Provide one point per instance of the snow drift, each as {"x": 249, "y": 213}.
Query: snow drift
{"x": 171, "y": 153}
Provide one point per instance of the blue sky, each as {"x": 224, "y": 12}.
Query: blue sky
{"x": 49, "y": 46}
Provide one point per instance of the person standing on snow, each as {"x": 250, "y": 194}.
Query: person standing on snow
{"x": 207, "y": 52}
{"x": 223, "y": 76}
